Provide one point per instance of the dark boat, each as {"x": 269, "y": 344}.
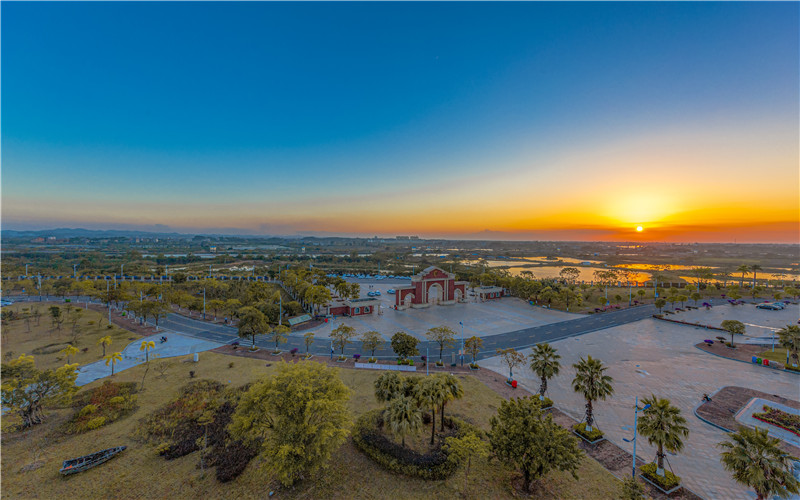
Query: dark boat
{"x": 80, "y": 464}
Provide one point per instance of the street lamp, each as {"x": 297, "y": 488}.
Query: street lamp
{"x": 74, "y": 271}
{"x": 635, "y": 423}
{"x": 462, "y": 342}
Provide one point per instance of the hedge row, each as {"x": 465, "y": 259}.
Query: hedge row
{"x": 368, "y": 436}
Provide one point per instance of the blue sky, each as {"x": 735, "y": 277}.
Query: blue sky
{"x": 262, "y": 115}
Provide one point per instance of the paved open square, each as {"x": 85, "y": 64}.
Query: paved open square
{"x": 654, "y": 357}
{"x": 491, "y": 317}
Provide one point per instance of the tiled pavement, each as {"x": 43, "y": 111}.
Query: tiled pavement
{"x": 647, "y": 357}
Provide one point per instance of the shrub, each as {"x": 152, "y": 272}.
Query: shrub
{"x": 109, "y": 327}
{"x": 780, "y": 418}
{"x": 792, "y": 368}
{"x": 177, "y": 432}
{"x": 372, "y": 360}
{"x": 230, "y": 365}
{"x": 580, "y": 429}
{"x": 368, "y": 436}
{"x": 111, "y": 401}
{"x": 87, "y": 410}
{"x": 96, "y": 422}
{"x": 667, "y": 482}
{"x": 474, "y": 366}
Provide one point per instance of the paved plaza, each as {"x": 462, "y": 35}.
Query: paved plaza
{"x": 480, "y": 318}
{"x": 656, "y": 357}
{"x": 758, "y": 322}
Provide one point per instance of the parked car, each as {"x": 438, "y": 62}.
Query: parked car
{"x": 768, "y": 306}
{"x": 390, "y": 291}
{"x": 376, "y": 293}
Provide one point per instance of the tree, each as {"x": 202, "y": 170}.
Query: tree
{"x": 370, "y": 341}
{"x": 453, "y": 390}
{"x": 591, "y": 381}
{"x": 69, "y": 351}
{"x": 443, "y": 336}
{"x": 695, "y": 297}
{"x": 569, "y": 274}
{"x": 74, "y": 318}
{"x": 569, "y": 296}
{"x": 252, "y": 322}
{"x": 660, "y": 303}
{"x": 216, "y": 305}
{"x": 105, "y": 341}
{"x": 430, "y": 393}
{"x": 341, "y": 336}
{"x": 28, "y": 391}
{"x": 146, "y": 346}
{"x": 524, "y": 439}
{"x": 512, "y": 358}
{"x": 790, "y": 340}
{"x": 641, "y": 293}
{"x": 279, "y": 335}
{"x": 744, "y": 269}
{"x": 755, "y": 268}
{"x": 297, "y": 419}
{"x": 545, "y": 364}
{"x": 156, "y": 309}
{"x": 755, "y": 291}
{"x": 404, "y": 345}
{"x": 464, "y": 449}
{"x": 308, "y": 339}
{"x": 681, "y": 298}
{"x": 663, "y": 426}
{"x": 388, "y": 386}
{"x": 757, "y": 461}
{"x": 113, "y": 358}
{"x": 733, "y": 327}
{"x": 55, "y": 315}
{"x": 404, "y": 417}
{"x": 473, "y": 346}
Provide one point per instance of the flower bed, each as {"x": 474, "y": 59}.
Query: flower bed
{"x": 591, "y": 437}
{"x": 667, "y": 483}
{"x": 547, "y": 403}
{"x": 792, "y": 368}
{"x": 369, "y": 437}
{"x": 474, "y": 366}
{"x": 780, "y": 418}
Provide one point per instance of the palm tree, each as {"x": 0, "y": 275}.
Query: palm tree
{"x": 404, "y": 417}
{"x": 744, "y": 269}
{"x": 146, "y": 346}
{"x": 69, "y": 351}
{"x": 592, "y": 383}
{"x": 113, "y": 358}
{"x": 663, "y": 426}
{"x": 431, "y": 393}
{"x": 387, "y": 386}
{"x": 790, "y": 339}
{"x": 755, "y": 268}
{"x": 105, "y": 341}
{"x": 545, "y": 364}
{"x": 756, "y": 460}
{"x": 453, "y": 390}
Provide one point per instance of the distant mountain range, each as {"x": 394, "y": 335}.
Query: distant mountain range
{"x": 90, "y": 233}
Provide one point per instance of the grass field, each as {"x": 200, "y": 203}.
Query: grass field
{"x": 140, "y": 473}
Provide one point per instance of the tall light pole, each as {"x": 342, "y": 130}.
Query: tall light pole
{"x": 121, "y": 272}
{"x": 462, "y": 342}
{"x": 204, "y": 303}
{"x": 635, "y": 424}
{"x": 108, "y": 299}
{"x": 26, "y": 270}
{"x": 74, "y": 271}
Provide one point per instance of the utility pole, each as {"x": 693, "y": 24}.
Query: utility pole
{"x": 40, "y": 285}
{"x": 204, "y": 303}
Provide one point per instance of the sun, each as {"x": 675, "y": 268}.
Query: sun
{"x": 639, "y": 229}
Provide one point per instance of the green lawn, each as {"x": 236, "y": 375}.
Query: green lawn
{"x": 140, "y": 473}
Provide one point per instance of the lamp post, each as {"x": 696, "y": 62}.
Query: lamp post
{"x": 121, "y": 271}
{"x": 74, "y": 271}
{"x": 204, "y": 303}
{"x": 462, "y": 342}
{"x": 635, "y": 424}
{"x": 26, "y": 270}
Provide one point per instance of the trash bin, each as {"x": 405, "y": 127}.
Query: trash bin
{"x": 755, "y": 359}
{"x": 758, "y": 361}
{"x": 765, "y": 361}
{"x": 514, "y": 384}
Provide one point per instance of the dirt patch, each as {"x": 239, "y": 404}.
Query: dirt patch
{"x": 727, "y": 402}
{"x": 33, "y": 466}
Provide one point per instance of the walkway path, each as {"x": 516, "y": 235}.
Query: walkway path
{"x": 176, "y": 345}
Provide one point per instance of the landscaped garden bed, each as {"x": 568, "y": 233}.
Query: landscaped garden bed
{"x": 668, "y": 483}
{"x": 591, "y": 437}
{"x": 370, "y": 437}
{"x": 101, "y": 406}
{"x": 779, "y": 418}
